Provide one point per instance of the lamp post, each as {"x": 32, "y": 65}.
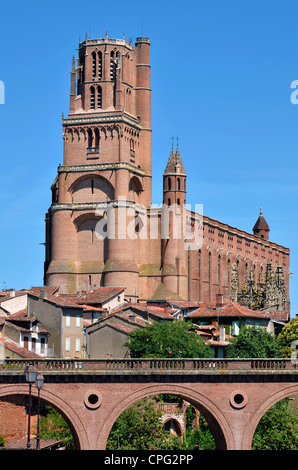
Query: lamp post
{"x": 30, "y": 375}
{"x": 39, "y": 383}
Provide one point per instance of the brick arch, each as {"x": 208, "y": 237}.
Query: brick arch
{"x": 217, "y": 422}
{"x": 103, "y": 184}
{"x": 72, "y": 419}
{"x": 264, "y": 407}
{"x": 177, "y": 424}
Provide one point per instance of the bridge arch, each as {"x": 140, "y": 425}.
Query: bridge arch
{"x": 219, "y": 426}
{"x": 68, "y": 413}
{"x": 263, "y": 408}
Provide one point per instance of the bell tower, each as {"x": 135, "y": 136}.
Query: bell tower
{"x": 174, "y": 255}
{"x": 107, "y": 159}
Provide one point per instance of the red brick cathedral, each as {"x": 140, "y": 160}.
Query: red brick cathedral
{"x": 101, "y": 228}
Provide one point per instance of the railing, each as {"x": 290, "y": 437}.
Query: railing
{"x": 148, "y": 366}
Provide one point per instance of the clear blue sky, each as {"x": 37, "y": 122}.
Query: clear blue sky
{"x": 221, "y": 76}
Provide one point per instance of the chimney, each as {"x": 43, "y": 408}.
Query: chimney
{"x": 222, "y": 332}
{"x": 167, "y": 309}
{"x": 219, "y": 300}
{"x": 43, "y": 294}
{"x": 132, "y": 317}
{"x": 12, "y": 293}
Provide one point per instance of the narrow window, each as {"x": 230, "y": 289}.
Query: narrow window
{"x": 99, "y": 97}
{"x": 89, "y": 132}
{"x": 169, "y": 183}
{"x": 78, "y": 344}
{"x": 92, "y": 186}
{"x": 92, "y": 97}
{"x": 112, "y": 65}
{"x": 199, "y": 263}
{"x": 67, "y": 319}
{"x": 33, "y": 343}
{"x": 96, "y": 137}
{"x": 209, "y": 266}
{"x": 178, "y": 184}
{"x": 26, "y": 341}
{"x": 42, "y": 345}
{"x": 99, "y": 66}
{"x": 169, "y": 202}
{"x": 67, "y": 344}
{"x": 78, "y": 321}
{"x": 90, "y": 280}
{"x": 93, "y": 65}
{"x": 218, "y": 268}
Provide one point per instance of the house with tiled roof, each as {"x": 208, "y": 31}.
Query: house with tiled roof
{"x": 63, "y": 319}
{"x": 22, "y": 336}
{"x": 107, "y": 298}
{"x": 233, "y": 316}
{"x": 106, "y": 337}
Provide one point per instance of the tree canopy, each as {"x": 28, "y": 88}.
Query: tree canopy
{"x": 170, "y": 339}
{"x": 253, "y": 342}
{"x": 287, "y": 336}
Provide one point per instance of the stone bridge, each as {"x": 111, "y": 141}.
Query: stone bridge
{"x": 232, "y": 395}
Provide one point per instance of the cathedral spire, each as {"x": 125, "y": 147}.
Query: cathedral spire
{"x": 175, "y": 164}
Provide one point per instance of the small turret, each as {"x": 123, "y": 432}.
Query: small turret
{"x": 174, "y": 259}
{"x": 174, "y": 180}
{"x": 261, "y": 228}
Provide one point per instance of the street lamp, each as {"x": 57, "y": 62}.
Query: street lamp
{"x": 30, "y": 375}
{"x": 38, "y": 383}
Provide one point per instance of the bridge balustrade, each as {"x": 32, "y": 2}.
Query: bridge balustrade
{"x": 152, "y": 364}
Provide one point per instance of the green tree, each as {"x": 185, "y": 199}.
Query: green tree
{"x": 277, "y": 429}
{"x": 253, "y": 342}
{"x": 171, "y": 339}
{"x": 54, "y": 426}
{"x": 288, "y": 334}
{"x": 140, "y": 428}
{"x": 2, "y": 441}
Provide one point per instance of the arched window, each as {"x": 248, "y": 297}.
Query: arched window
{"x": 118, "y": 58}
{"x": 90, "y": 138}
{"x": 112, "y": 66}
{"x": 169, "y": 202}
{"x": 99, "y": 97}
{"x": 199, "y": 263}
{"x": 92, "y": 97}
{"x": 209, "y": 265}
{"x": 93, "y": 65}
{"x": 96, "y": 137}
{"x": 178, "y": 202}
{"x": 169, "y": 183}
{"x": 99, "y": 65}
{"x": 178, "y": 184}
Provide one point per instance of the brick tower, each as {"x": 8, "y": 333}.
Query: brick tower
{"x": 107, "y": 159}
{"x": 174, "y": 254}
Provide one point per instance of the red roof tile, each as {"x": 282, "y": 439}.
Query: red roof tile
{"x": 229, "y": 309}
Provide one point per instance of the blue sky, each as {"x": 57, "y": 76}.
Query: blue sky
{"x": 221, "y": 76}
